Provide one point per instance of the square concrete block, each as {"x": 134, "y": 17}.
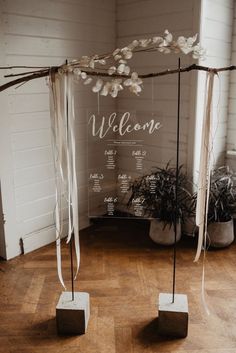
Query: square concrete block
{"x": 173, "y": 317}
{"x": 72, "y": 316}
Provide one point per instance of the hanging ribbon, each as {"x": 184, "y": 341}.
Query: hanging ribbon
{"x": 205, "y": 167}
{"x": 206, "y": 159}
{"x": 63, "y": 139}
{"x": 71, "y": 169}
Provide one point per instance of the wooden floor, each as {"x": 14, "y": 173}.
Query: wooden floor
{"x": 123, "y": 271}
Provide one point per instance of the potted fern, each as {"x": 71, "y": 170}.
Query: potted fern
{"x": 221, "y": 207}
{"x": 158, "y": 193}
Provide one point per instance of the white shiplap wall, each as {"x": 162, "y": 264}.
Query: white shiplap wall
{"x": 231, "y": 127}
{"x": 144, "y": 19}
{"x": 42, "y": 33}
{"x": 216, "y": 37}
{"x": 49, "y": 32}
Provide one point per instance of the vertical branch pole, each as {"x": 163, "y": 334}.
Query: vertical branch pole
{"x": 176, "y": 183}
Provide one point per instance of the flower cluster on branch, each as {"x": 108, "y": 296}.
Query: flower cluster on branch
{"x": 115, "y": 64}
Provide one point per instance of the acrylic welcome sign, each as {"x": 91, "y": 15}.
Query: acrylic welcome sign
{"x": 119, "y": 150}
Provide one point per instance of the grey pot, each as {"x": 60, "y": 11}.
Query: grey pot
{"x": 163, "y": 236}
{"x": 221, "y": 234}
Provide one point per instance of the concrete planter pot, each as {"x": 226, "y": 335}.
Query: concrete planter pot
{"x": 164, "y": 236}
{"x": 221, "y": 234}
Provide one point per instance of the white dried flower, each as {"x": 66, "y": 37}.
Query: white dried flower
{"x": 144, "y": 42}
{"x": 83, "y": 75}
{"x": 79, "y": 74}
{"x": 117, "y": 57}
{"x": 157, "y": 40}
{"x": 127, "y": 70}
{"x": 102, "y": 61}
{"x": 112, "y": 88}
{"x": 186, "y": 44}
{"x": 134, "y": 83}
{"x": 199, "y": 52}
{"x": 85, "y": 61}
{"x": 92, "y": 63}
{"x": 192, "y": 40}
{"x": 116, "y": 86}
{"x": 127, "y": 53}
{"x": 88, "y": 81}
{"x": 106, "y": 89}
{"x": 121, "y": 69}
{"x": 97, "y": 86}
{"x": 116, "y": 51}
{"x": 77, "y": 71}
{"x": 168, "y": 37}
{"x": 135, "y": 43}
{"x": 123, "y": 50}
{"x": 122, "y": 61}
{"x": 111, "y": 70}
{"x": 166, "y": 45}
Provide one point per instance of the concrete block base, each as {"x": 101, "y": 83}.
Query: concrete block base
{"x": 72, "y": 316}
{"x": 173, "y": 317}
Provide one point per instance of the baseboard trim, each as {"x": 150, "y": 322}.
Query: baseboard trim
{"x": 45, "y": 236}
{"x": 38, "y": 239}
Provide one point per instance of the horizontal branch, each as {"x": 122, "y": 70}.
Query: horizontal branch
{"x": 24, "y": 79}
{"x": 190, "y": 68}
{"x": 45, "y": 72}
{"x": 23, "y": 67}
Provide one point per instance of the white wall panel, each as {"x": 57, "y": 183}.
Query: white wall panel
{"x": 45, "y": 33}
{"x": 129, "y": 10}
{"x": 231, "y": 127}
{"x": 32, "y": 157}
{"x": 71, "y": 12}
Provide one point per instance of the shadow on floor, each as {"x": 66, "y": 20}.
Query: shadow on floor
{"x": 148, "y": 334}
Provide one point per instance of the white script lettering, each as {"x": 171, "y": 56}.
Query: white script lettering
{"x": 123, "y": 126}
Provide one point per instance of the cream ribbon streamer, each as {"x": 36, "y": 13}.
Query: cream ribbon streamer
{"x": 71, "y": 170}
{"x": 206, "y": 159}
{"x": 63, "y": 141}
{"x": 205, "y": 166}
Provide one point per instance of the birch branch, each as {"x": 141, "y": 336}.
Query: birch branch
{"x": 46, "y": 72}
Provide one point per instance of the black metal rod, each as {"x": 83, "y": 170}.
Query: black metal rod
{"x": 72, "y": 268}
{"x": 71, "y": 244}
{"x": 176, "y": 185}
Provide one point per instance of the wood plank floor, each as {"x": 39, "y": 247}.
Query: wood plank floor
{"x": 123, "y": 271}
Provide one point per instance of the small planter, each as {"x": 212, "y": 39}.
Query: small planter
{"x": 221, "y": 234}
{"x": 164, "y": 236}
